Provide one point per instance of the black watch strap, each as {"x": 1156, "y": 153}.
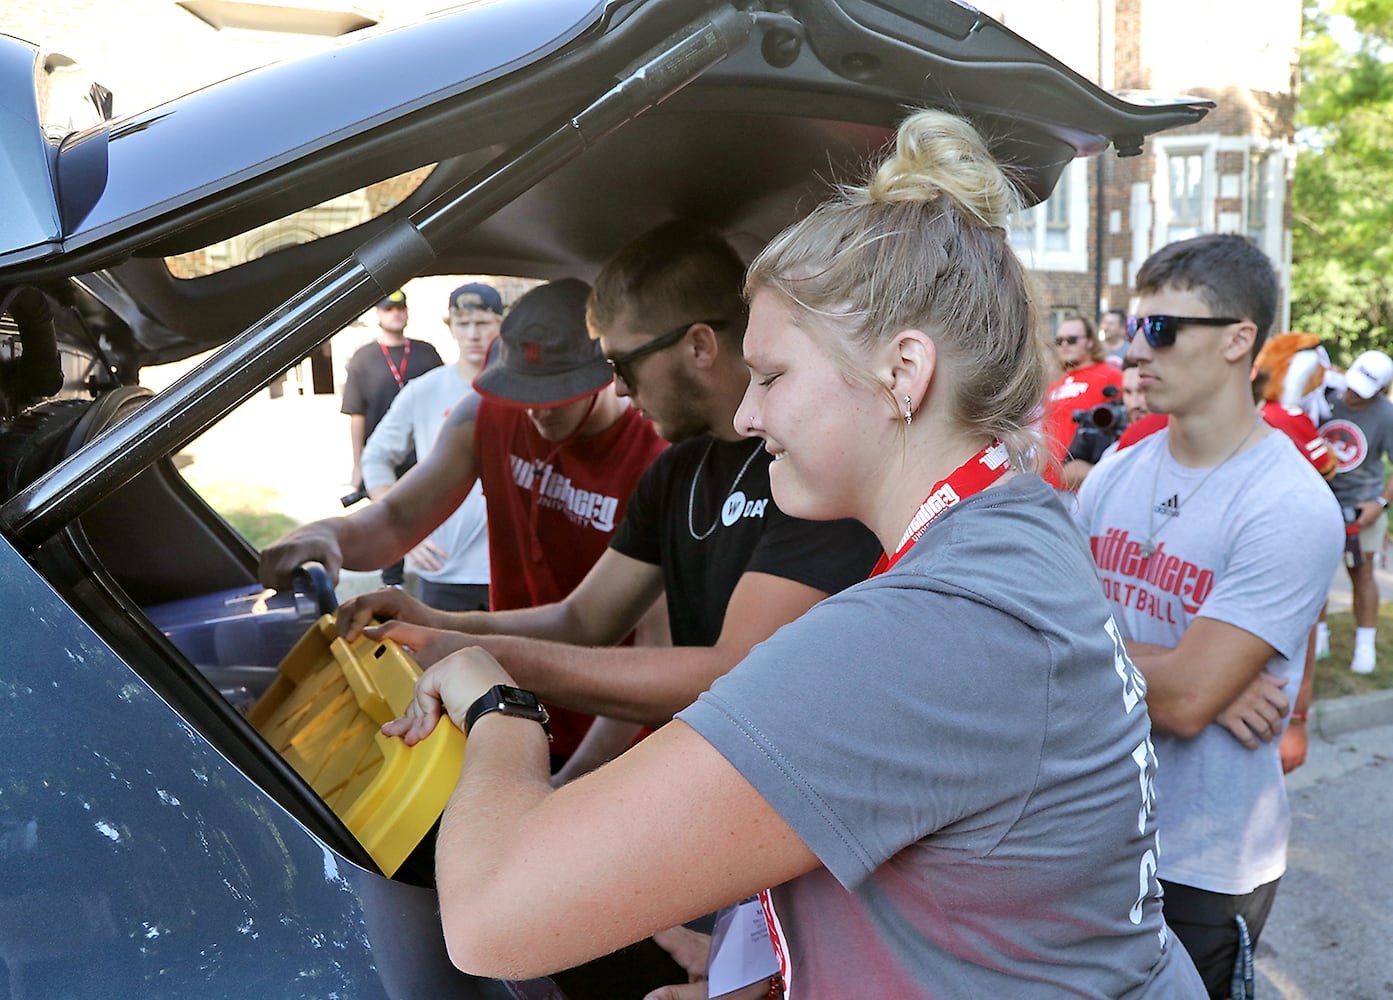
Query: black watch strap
{"x": 507, "y": 700}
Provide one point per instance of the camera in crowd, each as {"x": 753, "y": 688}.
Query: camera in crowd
{"x": 1099, "y": 427}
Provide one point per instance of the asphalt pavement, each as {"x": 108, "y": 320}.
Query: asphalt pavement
{"x": 1328, "y": 935}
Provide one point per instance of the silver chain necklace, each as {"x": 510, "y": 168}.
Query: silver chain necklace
{"x": 1149, "y": 546}
{"x": 691, "y": 497}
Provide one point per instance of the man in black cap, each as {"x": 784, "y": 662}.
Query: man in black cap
{"x": 556, "y": 450}
{"x": 376, "y": 373}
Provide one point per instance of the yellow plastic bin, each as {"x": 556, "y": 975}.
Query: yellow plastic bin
{"x": 323, "y": 713}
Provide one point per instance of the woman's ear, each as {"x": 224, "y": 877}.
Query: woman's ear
{"x": 910, "y": 364}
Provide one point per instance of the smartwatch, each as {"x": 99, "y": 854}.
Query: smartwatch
{"x": 509, "y": 701}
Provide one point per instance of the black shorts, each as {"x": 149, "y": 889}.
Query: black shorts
{"x": 1204, "y": 922}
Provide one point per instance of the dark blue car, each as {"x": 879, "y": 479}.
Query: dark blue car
{"x": 152, "y": 843}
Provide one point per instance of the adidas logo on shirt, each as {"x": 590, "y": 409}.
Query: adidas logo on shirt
{"x": 1171, "y": 507}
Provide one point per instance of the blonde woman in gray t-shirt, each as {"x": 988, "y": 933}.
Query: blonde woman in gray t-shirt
{"x": 944, "y": 772}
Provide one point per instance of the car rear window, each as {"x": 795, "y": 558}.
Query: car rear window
{"x": 298, "y": 228}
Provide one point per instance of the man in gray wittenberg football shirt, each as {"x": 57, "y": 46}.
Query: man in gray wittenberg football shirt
{"x": 1215, "y": 542}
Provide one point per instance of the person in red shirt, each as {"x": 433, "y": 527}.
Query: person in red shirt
{"x": 1082, "y": 387}
{"x": 558, "y": 453}
{"x": 1134, "y": 405}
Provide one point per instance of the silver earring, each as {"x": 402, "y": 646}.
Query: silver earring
{"x": 908, "y": 416}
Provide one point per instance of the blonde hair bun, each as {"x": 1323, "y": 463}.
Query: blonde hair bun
{"x": 939, "y": 154}
{"x": 922, "y": 246}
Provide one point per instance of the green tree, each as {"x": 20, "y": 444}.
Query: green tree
{"x": 1342, "y": 198}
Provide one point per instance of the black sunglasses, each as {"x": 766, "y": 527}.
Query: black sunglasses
{"x": 1160, "y": 331}
{"x": 1071, "y": 340}
{"x": 623, "y": 363}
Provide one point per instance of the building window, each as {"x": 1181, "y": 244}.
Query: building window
{"x": 1057, "y": 220}
{"x": 305, "y": 226}
{"x": 1053, "y": 236}
{"x": 1187, "y": 189}
{"x": 1184, "y": 188}
{"x": 1058, "y": 314}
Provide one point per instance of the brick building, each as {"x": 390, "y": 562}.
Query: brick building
{"x": 1231, "y": 172}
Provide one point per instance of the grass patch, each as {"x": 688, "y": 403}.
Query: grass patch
{"x": 260, "y": 528}
{"x": 1334, "y": 679}
{"x": 251, "y": 510}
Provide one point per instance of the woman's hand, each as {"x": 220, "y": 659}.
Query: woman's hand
{"x": 449, "y": 687}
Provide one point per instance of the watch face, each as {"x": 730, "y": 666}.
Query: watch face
{"x": 517, "y": 698}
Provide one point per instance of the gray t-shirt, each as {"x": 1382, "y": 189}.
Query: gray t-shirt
{"x": 964, "y": 745}
{"x": 1253, "y": 545}
{"x": 1360, "y": 439}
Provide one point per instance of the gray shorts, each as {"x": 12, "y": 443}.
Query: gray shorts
{"x": 1373, "y": 538}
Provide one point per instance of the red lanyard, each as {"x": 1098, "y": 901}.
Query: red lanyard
{"x": 397, "y": 373}
{"x": 973, "y": 476}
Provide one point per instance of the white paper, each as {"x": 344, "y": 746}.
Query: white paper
{"x": 740, "y": 950}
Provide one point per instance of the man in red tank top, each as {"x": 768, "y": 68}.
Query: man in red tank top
{"x": 557, "y": 453}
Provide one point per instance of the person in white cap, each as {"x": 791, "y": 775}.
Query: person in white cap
{"x": 1360, "y": 433}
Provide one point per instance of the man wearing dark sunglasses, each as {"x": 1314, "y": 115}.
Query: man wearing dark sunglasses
{"x": 1215, "y": 541}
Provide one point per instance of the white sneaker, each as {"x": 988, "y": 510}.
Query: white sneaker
{"x": 1363, "y": 662}
{"x": 1322, "y": 645}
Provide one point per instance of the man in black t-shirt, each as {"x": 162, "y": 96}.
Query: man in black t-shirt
{"x": 701, "y": 529}
{"x": 377, "y": 372}
{"x": 705, "y": 515}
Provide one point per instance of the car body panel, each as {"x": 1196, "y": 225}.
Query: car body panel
{"x": 31, "y": 222}
{"x": 139, "y": 862}
{"x": 221, "y": 136}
